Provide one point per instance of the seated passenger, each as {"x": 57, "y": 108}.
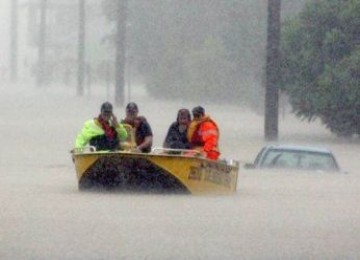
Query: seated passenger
{"x": 203, "y": 134}
{"x": 176, "y": 136}
{"x": 143, "y": 132}
{"x": 103, "y": 132}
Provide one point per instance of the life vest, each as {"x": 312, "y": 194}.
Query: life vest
{"x": 142, "y": 130}
{"x": 107, "y": 141}
{"x": 204, "y": 135}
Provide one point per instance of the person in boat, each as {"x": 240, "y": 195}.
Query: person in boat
{"x": 143, "y": 132}
{"x": 176, "y": 137}
{"x": 203, "y": 134}
{"x": 103, "y": 132}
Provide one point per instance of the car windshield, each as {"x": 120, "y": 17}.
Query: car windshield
{"x": 299, "y": 160}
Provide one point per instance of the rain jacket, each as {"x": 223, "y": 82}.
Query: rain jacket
{"x": 204, "y": 136}
{"x": 93, "y": 133}
{"x": 175, "y": 139}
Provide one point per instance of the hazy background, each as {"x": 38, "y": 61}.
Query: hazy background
{"x": 176, "y": 49}
{"x": 273, "y": 215}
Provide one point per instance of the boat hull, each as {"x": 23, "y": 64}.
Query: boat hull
{"x": 127, "y": 171}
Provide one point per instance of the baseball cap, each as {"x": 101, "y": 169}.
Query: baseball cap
{"x": 132, "y": 107}
{"x": 106, "y": 107}
{"x": 199, "y": 110}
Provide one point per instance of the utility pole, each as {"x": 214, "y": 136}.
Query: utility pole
{"x": 129, "y": 60}
{"x": 120, "y": 43}
{"x": 42, "y": 45}
{"x": 14, "y": 41}
{"x": 81, "y": 49}
{"x": 272, "y": 71}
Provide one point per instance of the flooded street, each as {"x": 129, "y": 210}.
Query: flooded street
{"x": 273, "y": 215}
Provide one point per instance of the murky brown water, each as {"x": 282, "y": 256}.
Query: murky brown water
{"x": 274, "y": 215}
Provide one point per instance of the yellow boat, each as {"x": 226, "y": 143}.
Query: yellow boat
{"x": 161, "y": 170}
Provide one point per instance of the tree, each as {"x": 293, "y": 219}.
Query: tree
{"x": 207, "y": 46}
{"x": 174, "y": 42}
{"x": 320, "y": 64}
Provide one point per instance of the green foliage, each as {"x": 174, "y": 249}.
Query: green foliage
{"x": 321, "y": 64}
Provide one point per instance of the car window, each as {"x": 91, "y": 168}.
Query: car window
{"x": 299, "y": 160}
{"x": 258, "y": 157}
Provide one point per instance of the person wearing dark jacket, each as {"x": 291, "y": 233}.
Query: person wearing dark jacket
{"x": 143, "y": 132}
{"x": 176, "y": 137}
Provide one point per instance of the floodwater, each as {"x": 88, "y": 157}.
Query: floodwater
{"x": 273, "y": 215}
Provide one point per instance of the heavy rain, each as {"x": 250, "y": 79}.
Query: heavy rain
{"x": 60, "y": 62}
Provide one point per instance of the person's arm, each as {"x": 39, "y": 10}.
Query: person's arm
{"x": 122, "y": 133}
{"x": 210, "y": 136}
{"x": 166, "y": 143}
{"x": 120, "y": 129}
{"x": 146, "y": 143}
{"x": 169, "y": 136}
{"x": 84, "y": 136}
{"x": 146, "y": 131}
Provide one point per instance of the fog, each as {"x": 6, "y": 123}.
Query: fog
{"x": 273, "y": 215}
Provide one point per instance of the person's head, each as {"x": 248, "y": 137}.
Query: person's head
{"x": 106, "y": 110}
{"x": 132, "y": 111}
{"x": 183, "y": 116}
{"x": 198, "y": 112}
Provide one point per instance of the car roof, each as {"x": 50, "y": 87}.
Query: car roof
{"x": 304, "y": 148}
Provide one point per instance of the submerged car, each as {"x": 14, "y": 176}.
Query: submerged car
{"x": 295, "y": 157}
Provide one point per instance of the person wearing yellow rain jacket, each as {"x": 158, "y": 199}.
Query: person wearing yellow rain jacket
{"x": 103, "y": 132}
{"x": 203, "y": 134}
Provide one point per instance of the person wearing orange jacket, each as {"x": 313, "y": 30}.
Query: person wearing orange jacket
{"x": 203, "y": 134}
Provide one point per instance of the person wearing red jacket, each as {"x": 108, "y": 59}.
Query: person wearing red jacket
{"x": 203, "y": 134}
